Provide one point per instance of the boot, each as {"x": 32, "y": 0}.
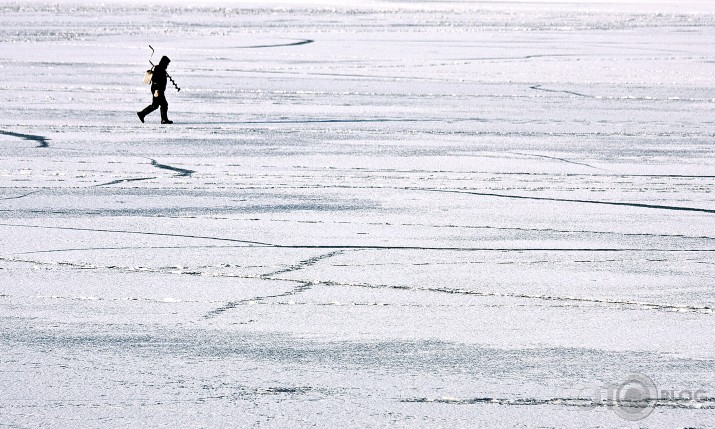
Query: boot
{"x": 164, "y": 119}
{"x": 147, "y": 110}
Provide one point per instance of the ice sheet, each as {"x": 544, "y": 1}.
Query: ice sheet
{"x": 403, "y": 214}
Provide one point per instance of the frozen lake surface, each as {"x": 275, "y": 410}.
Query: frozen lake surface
{"x": 469, "y": 214}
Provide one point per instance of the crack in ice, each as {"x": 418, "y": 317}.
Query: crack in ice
{"x": 568, "y": 200}
{"x": 300, "y": 288}
{"x": 179, "y": 171}
{"x": 42, "y": 141}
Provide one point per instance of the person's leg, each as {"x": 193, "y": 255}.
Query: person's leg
{"x": 148, "y": 109}
{"x": 164, "y": 109}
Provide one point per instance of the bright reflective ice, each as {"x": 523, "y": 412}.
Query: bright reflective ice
{"x": 472, "y": 214}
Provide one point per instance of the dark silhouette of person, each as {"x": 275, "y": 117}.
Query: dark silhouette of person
{"x": 158, "y": 87}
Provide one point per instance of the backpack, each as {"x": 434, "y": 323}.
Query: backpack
{"x": 148, "y": 76}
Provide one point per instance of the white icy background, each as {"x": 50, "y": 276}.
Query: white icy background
{"x": 382, "y": 227}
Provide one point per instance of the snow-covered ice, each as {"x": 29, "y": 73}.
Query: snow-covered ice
{"x": 392, "y": 214}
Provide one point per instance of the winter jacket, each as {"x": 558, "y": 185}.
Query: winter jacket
{"x": 158, "y": 80}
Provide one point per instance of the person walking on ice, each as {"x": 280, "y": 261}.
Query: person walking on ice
{"x": 158, "y": 87}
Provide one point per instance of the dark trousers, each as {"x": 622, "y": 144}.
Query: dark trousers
{"x": 156, "y": 103}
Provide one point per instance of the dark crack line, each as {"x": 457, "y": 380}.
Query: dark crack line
{"x": 41, "y": 141}
{"x": 137, "y": 269}
{"x": 303, "y": 264}
{"x": 706, "y": 403}
{"x": 492, "y": 194}
{"x": 116, "y": 182}
{"x": 179, "y": 171}
{"x": 559, "y": 159}
{"x": 298, "y": 43}
{"x": 301, "y": 287}
{"x": 573, "y": 299}
{"x": 504, "y": 173}
{"x": 539, "y": 88}
{"x": 566, "y": 200}
{"x": 645, "y": 305}
{"x": 484, "y": 249}
{"x": 21, "y": 196}
{"x": 160, "y": 234}
{"x": 128, "y": 298}
{"x": 89, "y": 249}
{"x": 368, "y": 246}
{"x": 487, "y": 227}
